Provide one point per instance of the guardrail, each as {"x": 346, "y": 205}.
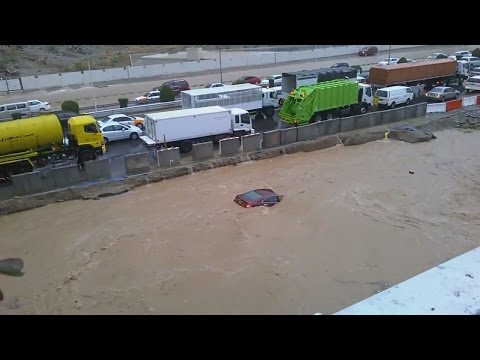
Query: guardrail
{"x": 453, "y": 104}
{"x": 137, "y": 109}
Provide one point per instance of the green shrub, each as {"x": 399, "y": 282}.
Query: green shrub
{"x": 71, "y": 105}
{"x": 166, "y": 94}
{"x": 123, "y": 102}
{"x": 476, "y": 52}
{"x": 16, "y": 116}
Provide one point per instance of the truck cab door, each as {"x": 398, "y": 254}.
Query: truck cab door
{"x": 237, "y": 123}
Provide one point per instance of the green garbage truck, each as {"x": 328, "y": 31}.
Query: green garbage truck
{"x": 326, "y": 101}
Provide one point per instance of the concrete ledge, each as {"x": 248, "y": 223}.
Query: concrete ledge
{"x": 203, "y": 151}
{"x": 229, "y": 147}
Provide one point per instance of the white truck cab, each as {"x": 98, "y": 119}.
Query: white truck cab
{"x": 241, "y": 120}
{"x": 271, "y": 96}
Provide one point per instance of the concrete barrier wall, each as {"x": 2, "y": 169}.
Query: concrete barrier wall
{"x": 410, "y": 112}
{"x": 202, "y": 151}
{"x": 421, "y": 109}
{"x": 394, "y": 115}
{"x": 137, "y": 163}
{"x": 288, "y": 136}
{"x": 271, "y": 139}
{"x": 332, "y": 127}
{"x": 251, "y": 142}
{"x": 26, "y": 184}
{"x": 68, "y": 176}
{"x": 320, "y": 129}
{"x": 229, "y": 146}
{"x": 347, "y": 124}
{"x": 306, "y": 132}
{"x": 97, "y": 170}
{"x": 145, "y": 71}
{"x": 168, "y": 157}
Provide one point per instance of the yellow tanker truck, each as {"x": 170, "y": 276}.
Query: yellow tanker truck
{"x": 34, "y": 142}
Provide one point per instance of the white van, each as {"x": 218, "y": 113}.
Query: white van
{"x": 393, "y": 96}
{"x": 472, "y": 84}
{"x": 7, "y": 110}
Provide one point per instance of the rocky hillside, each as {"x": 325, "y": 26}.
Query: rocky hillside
{"x": 26, "y": 60}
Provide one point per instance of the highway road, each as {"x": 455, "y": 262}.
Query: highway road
{"x": 110, "y": 93}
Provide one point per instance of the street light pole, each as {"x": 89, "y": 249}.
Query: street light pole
{"x": 389, "y": 49}
{"x": 91, "y": 82}
{"x": 220, "y": 57}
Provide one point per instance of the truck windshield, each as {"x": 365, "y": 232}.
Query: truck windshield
{"x": 245, "y": 118}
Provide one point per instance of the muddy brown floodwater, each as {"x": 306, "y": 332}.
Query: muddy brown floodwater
{"x": 353, "y": 221}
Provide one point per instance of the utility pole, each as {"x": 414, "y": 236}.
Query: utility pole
{"x": 389, "y": 49}
{"x": 220, "y": 57}
{"x": 91, "y": 83}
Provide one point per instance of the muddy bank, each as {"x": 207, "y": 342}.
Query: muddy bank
{"x": 111, "y": 188}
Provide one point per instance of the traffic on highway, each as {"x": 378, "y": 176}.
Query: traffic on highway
{"x": 252, "y": 104}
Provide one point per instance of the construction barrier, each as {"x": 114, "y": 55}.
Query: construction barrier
{"x": 453, "y": 105}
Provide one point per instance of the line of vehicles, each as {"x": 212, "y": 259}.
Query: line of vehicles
{"x": 213, "y": 113}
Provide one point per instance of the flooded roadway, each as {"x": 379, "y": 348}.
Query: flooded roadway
{"x": 353, "y": 221}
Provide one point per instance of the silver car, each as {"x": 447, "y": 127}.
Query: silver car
{"x": 442, "y": 93}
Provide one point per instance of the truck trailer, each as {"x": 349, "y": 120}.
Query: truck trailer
{"x": 430, "y": 73}
{"x": 325, "y": 101}
{"x": 252, "y": 98}
{"x": 183, "y": 128}
{"x": 36, "y": 141}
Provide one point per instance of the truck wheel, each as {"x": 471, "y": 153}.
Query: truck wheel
{"x": 408, "y": 102}
{"x": 329, "y": 116}
{"x": 87, "y": 155}
{"x": 269, "y": 112}
{"x": 363, "y": 110}
{"x": 281, "y": 101}
{"x": 134, "y": 136}
{"x": 259, "y": 116}
{"x": 393, "y": 105}
{"x": 186, "y": 147}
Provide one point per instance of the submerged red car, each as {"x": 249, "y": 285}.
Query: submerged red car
{"x": 258, "y": 197}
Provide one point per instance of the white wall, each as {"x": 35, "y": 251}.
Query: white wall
{"x": 145, "y": 71}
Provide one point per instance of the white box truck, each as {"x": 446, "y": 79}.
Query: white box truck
{"x": 185, "y": 127}
{"x": 253, "y": 98}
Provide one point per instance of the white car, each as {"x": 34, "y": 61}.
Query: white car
{"x": 37, "y": 105}
{"x": 277, "y": 80}
{"x": 151, "y": 96}
{"x": 113, "y": 131}
{"x": 214, "y": 85}
{"x": 460, "y": 54}
{"x": 125, "y": 120}
{"x": 387, "y": 61}
{"x": 436, "y": 56}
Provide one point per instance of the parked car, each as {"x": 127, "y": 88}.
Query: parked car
{"x": 214, "y": 85}
{"x": 368, "y": 51}
{"x": 442, "y": 93}
{"x": 338, "y": 65}
{"x": 459, "y": 54}
{"x": 255, "y": 80}
{"x": 125, "y": 120}
{"x": 113, "y": 131}
{"x": 259, "y": 197}
{"x": 177, "y": 86}
{"x": 37, "y": 105}
{"x": 387, "y": 61}
{"x": 149, "y": 97}
{"x": 277, "y": 80}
